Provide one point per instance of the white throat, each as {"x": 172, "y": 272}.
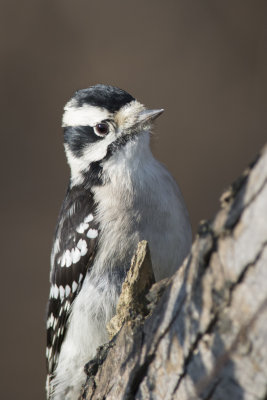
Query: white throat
{"x": 125, "y": 159}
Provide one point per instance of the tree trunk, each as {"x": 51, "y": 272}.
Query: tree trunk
{"x": 203, "y": 333}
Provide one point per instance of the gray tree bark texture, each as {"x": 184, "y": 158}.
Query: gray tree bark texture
{"x": 203, "y": 333}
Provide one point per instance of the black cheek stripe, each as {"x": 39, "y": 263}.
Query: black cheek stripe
{"x": 78, "y": 137}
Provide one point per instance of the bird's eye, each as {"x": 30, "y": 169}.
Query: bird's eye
{"x": 102, "y": 129}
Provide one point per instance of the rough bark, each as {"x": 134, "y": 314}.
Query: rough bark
{"x": 206, "y": 336}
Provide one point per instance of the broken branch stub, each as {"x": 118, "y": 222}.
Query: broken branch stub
{"x": 132, "y": 301}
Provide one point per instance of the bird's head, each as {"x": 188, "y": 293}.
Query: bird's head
{"x": 98, "y": 123}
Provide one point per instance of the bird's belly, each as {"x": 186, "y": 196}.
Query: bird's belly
{"x": 92, "y": 309}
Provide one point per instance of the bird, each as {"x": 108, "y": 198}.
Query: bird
{"x": 118, "y": 194}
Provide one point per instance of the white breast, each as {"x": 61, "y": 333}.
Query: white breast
{"x": 140, "y": 201}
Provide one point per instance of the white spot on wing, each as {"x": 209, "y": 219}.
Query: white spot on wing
{"x": 61, "y": 292}
{"x": 50, "y": 321}
{"x": 89, "y": 218}
{"x": 76, "y": 255}
{"x": 54, "y": 292}
{"x": 67, "y": 290}
{"x": 82, "y": 245}
{"x": 82, "y": 227}
{"x": 74, "y": 286}
{"x": 63, "y": 260}
{"x": 92, "y": 233}
{"x": 55, "y": 323}
{"x": 68, "y": 258}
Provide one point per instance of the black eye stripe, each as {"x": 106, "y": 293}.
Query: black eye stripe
{"x": 86, "y": 133}
{"x": 78, "y": 137}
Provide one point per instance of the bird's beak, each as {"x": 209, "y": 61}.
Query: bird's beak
{"x": 148, "y": 115}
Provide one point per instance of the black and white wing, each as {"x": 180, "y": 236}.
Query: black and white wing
{"x": 72, "y": 255}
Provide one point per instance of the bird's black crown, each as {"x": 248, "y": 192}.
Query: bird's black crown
{"x": 109, "y": 97}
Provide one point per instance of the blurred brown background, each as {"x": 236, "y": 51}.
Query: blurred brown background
{"x": 204, "y": 62}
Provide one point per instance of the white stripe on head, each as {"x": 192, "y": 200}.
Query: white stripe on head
{"x": 84, "y": 115}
